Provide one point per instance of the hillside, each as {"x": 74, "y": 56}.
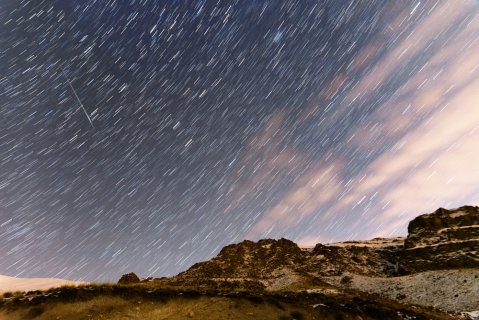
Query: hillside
{"x": 144, "y": 301}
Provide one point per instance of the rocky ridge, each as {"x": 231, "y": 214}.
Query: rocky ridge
{"x": 250, "y": 259}
{"x": 445, "y": 239}
{"x": 437, "y": 244}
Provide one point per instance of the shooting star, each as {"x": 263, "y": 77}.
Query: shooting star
{"x": 79, "y": 101}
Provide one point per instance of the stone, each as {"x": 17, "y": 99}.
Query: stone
{"x": 129, "y": 278}
{"x": 445, "y": 239}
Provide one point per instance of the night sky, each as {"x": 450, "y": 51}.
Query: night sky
{"x": 218, "y": 121}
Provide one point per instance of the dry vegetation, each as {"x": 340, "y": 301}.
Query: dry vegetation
{"x": 142, "y": 301}
{"x": 116, "y": 308}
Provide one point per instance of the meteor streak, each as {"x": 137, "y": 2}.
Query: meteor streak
{"x": 79, "y": 101}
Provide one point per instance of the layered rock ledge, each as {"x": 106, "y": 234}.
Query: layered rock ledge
{"x": 445, "y": 239}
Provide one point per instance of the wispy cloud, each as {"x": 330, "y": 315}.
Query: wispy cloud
{"x": 424, "y": 136}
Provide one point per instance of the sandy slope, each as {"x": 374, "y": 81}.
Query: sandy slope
{"x": 453, "y": 290}
{"x": 28, "y": 284}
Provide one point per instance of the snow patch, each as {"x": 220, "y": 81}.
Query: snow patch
{"x": 373, "y": 243}
{"x": 11, "y": 284}
{"x": 472, "y": 315}
{"x": 458, "y": 214}
{"x": 472, "y": 226}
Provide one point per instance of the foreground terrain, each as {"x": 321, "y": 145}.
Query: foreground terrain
{"x": 147, "y": 302}
{"x": 433, "y": 273}
{"x": 454, "y": 290}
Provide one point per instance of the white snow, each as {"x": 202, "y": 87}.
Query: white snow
{"x": 11, "y": 284}
{"x": 458, "y": 214}
{"x": 373, "y": 243}
{"x": 472, "y": 226}
{"x": 442, "y": 243}
{"x": 473, "y": 315}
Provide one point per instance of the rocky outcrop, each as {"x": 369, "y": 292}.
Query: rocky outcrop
{"x": 249, "y": 259}
{"x": 376, "y": 257}
{"x": 445, "y": 239}
{"x": 129, "y": 278}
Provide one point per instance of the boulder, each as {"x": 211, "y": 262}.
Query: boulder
{"x": 129, "y": 278}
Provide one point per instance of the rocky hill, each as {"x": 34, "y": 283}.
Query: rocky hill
{"x": 250, "y": 259}
{"x": 269, "y": 258}
{"x": 249, "y": 265}
{"x": 445, "y": 239}
{"x": 437, "y": 245}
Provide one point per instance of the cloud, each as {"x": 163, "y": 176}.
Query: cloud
{"x": 437, "y": 164}
{"x": 443, "y": 16}
{"x": 317, "y": 186}
{"x": 267, "y": 161}
{"x": 424, "y": 138}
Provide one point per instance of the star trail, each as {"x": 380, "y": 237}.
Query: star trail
{"x": 144, "y": 135}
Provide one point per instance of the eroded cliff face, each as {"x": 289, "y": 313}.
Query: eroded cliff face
{"x": 250, "y": 259}
{"x": 271, "y": 258}
{"x": 445, "y": 239}
{"x": 376, "y": 257}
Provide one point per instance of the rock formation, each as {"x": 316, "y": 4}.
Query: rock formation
{"x": 445, "y": 239}
{"x": 376, "y": 257}
{"x": 250, "y": 259}
{"x": 129, "y": 278}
